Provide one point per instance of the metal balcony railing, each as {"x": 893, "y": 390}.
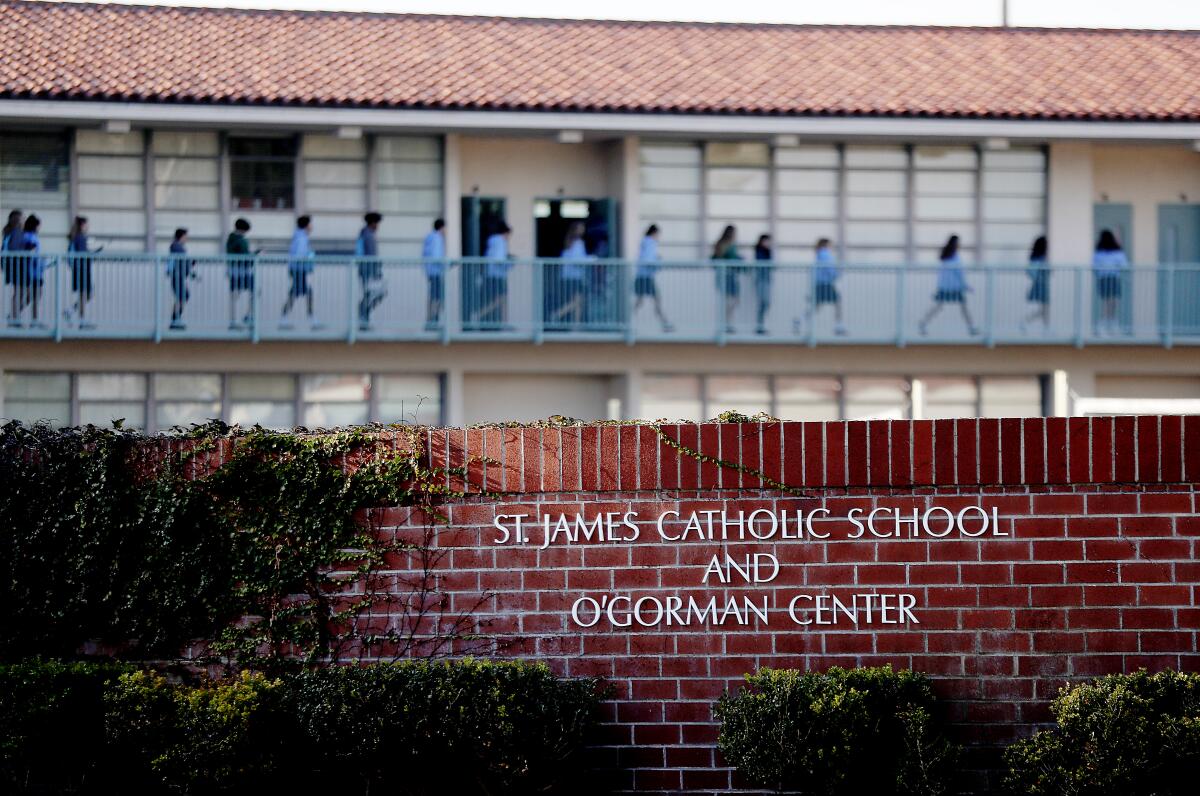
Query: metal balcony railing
{"x": 158, "y": 297}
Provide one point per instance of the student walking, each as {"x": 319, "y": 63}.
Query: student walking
{"x": 824, "y": 288}
{"x": 570, "y": 287}
{"x": 240, "y": 268}
{"x": 645, "y": 282}
{"x": 300, "y": 268}
{"x": 180, "y": 270}
{"x": 370, "y": 269}
{"x": 433, "y": 252}
{"x": 1039, "y": 286}
{"x": 493, "y": 309}
{"x": 32, "y": 272}
{"x": 78, "y": 255}
{"x": 951, "y": 287}
{"x": 10, "y": 242}
{"x": 1109, "y": 265}
{"x": 762, "y": 281}
{"x": 725, "y": 249}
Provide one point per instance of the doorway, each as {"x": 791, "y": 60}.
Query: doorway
{"x": 1179, "y": 288}
{"x": 1117, "y": 216}
{"x": 594, "y": 305}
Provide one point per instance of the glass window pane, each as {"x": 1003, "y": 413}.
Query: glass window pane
{"x": 187, "y": 387}
{"x": 672, "y": 398}
{"x": 43, "y": 386}
{"x": 877, "y": 398}
{"x": 255, "y": 386}
{"x": 748, "y": 395}
{"x": 183, "y": 413}
{"x": 112, "y": 386}
{"x": 56, "y": 413}
{"x": 268, "y": 414}
{"x": 805, "y": 398}
{"x": 948, "y": 397}
{"x": 409, "y": 399}
{"x": 730, "y": 153}
{"x": 103, "y": 413}
{"x": 340, "y": 387}
{"x": 1010, "y": 397}
{"x": 328, "y": 415}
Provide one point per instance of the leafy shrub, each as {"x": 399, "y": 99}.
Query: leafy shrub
{"x": 1123, "y": 734}
{"x": 463, "y": 727}
{"x": 845, "y": 731}
{"x": 52, "y": 724}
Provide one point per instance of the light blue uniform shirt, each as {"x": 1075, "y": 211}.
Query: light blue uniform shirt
{"x": 434, "y": 249}
{"x": 32, "y": 246}
{"x": 300, "y": 254}
{"x": 497, "y": 252}
{"x": 950, "y": 276}
{"x": 826, "y": 272}
{"x": 648, "y": 257}
{"x": 573, "y": 254}
{"x": 1109, "y": 263}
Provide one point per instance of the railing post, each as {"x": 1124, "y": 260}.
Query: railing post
{"x": 1078, "y": 307}
{"x": 900, "y": 326}
{"x": 1169, "y": 307}
{"x": 722, "y": 300}
{"x": 256, "y": 282}
{"x": 352, "y": 318}
{"x": 158, "y": 299}
{"x": 812, "y": 305}
{"x": 626, "y": 285}
{"x": 539, "y": 301}
{"x": 451, "y": 297}
{"x": 989, "y": 307}
{"x": 59, "y": 271}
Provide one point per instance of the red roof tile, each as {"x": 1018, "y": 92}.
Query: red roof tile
{"x": 156, "y": 54}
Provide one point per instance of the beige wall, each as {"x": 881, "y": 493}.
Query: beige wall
{"x": 1145, "y": 176}
{"x": 524, "y": 169}
{"x": 1069, "y": 222}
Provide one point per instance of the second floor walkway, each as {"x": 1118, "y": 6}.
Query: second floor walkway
{"x": 156, "y": 297}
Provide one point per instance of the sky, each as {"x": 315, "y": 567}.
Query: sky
{"x": 1029, "y": 13}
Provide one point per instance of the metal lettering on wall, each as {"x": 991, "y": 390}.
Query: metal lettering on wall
{"x": 725, "y": 570}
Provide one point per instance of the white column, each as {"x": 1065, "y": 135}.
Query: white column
{"x": 631, "y": 395}
{"x": 631, "y": 188}
{"x": 1069, "y": 203}
{"x": 452, "y": 398}
{"x": 452, "y": 200}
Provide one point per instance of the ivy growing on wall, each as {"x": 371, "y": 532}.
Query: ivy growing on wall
{"x": 114, "y": 543}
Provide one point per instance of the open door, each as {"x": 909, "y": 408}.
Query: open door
{"x": 1117, "y": 216}
{"x": 481, "y": 216}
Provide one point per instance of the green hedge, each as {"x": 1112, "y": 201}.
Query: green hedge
{"x": 1123, "y": 734}
{"x": 845, "y": 731}
{"x": 466, "y": 727}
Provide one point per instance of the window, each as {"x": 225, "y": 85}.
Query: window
{"x": 265, "y": 400}
{"x": 877, "y": 398}
{"x": 185, "y": 398}
{"x": 805, "y": 398}
{"x": 263, "y": 173}
{"x": 33, "y": 397}
{"x": 747, "y": 395}
{"x": 108, "y": 397}
{"x": 672, "y": 398}
{"x": 1001, "y": 396}
{"x": 409, "y": 399}
{"x": 336, "y": 400}
{"x": 949, "y": 397}
{"x": 32, "y": 164}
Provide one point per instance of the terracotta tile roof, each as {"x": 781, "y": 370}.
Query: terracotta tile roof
{"x": 156, "y": 54}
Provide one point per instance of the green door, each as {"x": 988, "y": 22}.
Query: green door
{"x": 1117, "y": 216}
{"x": 1179, "y": 286}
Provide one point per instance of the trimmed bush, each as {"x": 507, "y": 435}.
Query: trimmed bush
{"x": 52, "y": 724}
{"x": 844, "y": 731}
{"x": 465, "y": 727}
{"x": 1128, "y": 734}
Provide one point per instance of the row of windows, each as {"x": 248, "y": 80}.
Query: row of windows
{"x": 159, "y": 401}
{"x": 695, "y": 398}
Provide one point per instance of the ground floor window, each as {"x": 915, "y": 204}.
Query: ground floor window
{"x": 700, "y": 397}
{"x": 159, "y": 401}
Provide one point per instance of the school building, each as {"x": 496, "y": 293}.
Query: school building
{"x": 885, "y": 140}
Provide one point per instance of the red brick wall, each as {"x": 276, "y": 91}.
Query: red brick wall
{"x": 1100, "y": 573}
